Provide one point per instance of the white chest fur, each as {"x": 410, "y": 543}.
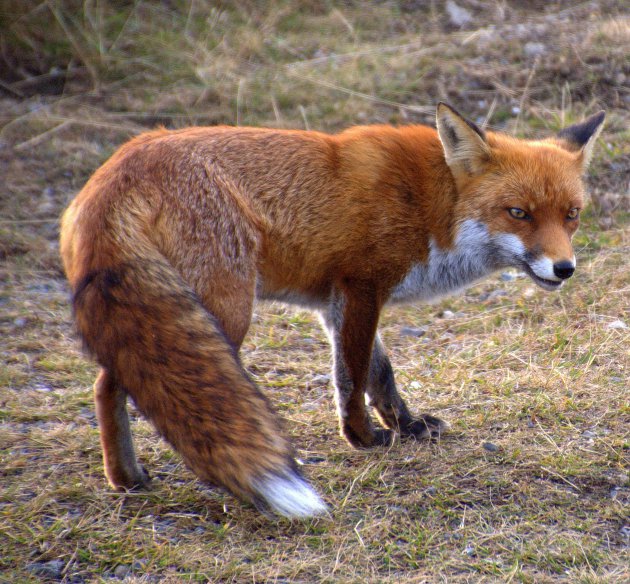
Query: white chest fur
{"x": 474, "y": 255}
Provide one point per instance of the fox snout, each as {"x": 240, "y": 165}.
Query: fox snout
{"x": 549, "y": 274}
{"x": 564, "y": 269}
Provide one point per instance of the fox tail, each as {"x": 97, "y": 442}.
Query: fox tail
{"x": 153, "y": 337}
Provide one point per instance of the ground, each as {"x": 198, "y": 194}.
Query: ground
{"x": 531, "y": 485}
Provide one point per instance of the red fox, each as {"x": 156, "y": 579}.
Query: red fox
{"x": 171, "y": 241}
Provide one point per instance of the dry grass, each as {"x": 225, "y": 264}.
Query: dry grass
{"x": 541, "y": 377}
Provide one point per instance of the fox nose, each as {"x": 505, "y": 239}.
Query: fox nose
{"x": 564, "y": 269}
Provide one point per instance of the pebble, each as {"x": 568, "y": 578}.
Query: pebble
{"x": 20, "y": 321}
{"x": 617, "y": 324}
{"x": 122, "y": 571}
{"x": 448, "y": 314}
{"x": 320, "y": 380}
{"x": 52, "y": 569}
{"x": 490, "y": 447}
{"x": 534, "y": 49}
{"x": 507, "y": 277}
{"x": 458, "y": 15}
{"x": 412, "y": 331}
{"x": 589, "y": 434}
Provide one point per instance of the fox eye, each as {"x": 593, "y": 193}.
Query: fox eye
{"x": 518, "y": 213}
{"x": 573, "y": 213}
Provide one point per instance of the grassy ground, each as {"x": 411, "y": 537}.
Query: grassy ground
{"x": 531, "y": 485}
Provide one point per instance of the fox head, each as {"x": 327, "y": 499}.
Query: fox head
{"x": 527, "y": 195}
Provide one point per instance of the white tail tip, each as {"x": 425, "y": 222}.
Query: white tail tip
{"x": 290, "y": 495}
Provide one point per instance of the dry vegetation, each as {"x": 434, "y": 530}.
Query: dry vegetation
{"x": 532, "y": 484}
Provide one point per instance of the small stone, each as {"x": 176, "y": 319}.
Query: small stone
{"x": 507, "y": 277}
{"x": 458, "y": 15}
{"x": 625, "y": 531}
{"x": 412, "y": 331}
{"x": 52, "y": 569}
{"x": 617, "y": 324}
{"x": 532, "y": 49}
{"x": 589, "y": 434}
{"x": 448, "y": 314}
{"x": 20, "y": 321}
{"x": 469, "y": 550}
{"x": 431, "y": 490}
{"x": 490, "y": 447}
{"x": 122, "y": 572}
{"x": 320, "y": 380}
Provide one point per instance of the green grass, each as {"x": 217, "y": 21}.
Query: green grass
{"x": 539, "y": 376}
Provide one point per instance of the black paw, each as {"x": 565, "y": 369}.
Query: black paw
{"x": 139, "y": 479}
{"x": 377, "y": 437}
{"x": 384, "y": 437}
{"x": 426, "y": 427}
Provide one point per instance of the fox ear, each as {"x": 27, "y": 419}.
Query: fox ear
{"x": 582, "y": 137}
{"x": 465, "y": 146}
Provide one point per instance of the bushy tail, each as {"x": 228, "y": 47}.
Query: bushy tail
{"x": 148, "y": 329}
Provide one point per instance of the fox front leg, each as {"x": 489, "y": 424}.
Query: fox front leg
{"x": 390, "y": 406}
{"x": 350, "y": 322}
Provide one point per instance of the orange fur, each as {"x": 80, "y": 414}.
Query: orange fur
{"x": 172, "y": 239}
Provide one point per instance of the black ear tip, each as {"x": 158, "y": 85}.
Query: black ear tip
{"x": 444, "y": 107}
{"x": 581, "y": 133}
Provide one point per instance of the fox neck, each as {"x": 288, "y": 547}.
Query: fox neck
{"x": 475, "y": 253}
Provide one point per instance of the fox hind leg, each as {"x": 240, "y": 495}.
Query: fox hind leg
{"x": 119, "y": 458}
{"x": 390, "y": 406}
